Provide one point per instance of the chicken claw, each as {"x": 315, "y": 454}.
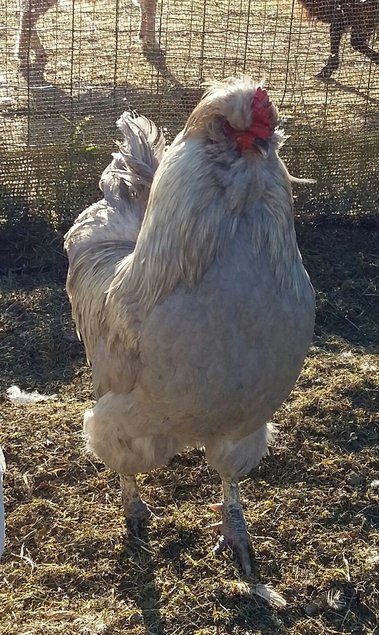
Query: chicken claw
{"x": 136, "y": 516}
{"x": 233, "y": 526}
{"x": 137, "y": 512}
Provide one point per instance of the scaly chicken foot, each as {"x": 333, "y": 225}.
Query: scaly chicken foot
{"x": 233, "y": 526}
{"x": 137, "y": 512}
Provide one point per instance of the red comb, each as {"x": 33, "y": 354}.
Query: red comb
{"x": 262, "y": 127}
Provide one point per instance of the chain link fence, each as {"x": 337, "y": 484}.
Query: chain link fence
{"x": 59, "y": 101}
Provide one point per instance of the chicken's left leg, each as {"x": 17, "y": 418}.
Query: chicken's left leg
{"x": 233, "y": 526}
{"x": 136, "y": 510}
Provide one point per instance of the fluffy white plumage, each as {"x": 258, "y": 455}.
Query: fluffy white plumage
{"x": 22, "y": 397}
{"x": 2, "y": 513}
{"x": 191, "y": 297}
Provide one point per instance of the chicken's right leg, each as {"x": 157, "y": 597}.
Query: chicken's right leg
{"x": 233, "y": 526}
{"x": 136, "y": 510}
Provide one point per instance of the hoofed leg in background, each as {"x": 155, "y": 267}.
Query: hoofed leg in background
{"x": 233, "y": 526}
{"x": 337, "y": 28}
{"x": 147, "y": 28}
{"x": 359, "y": 41}
{"x": 40, "y": 53}
{"x": 28, "y": 41}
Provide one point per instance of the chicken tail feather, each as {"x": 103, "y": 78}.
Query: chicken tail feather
{"x": 105, "y": 234}
{"x": 133, "y": 167}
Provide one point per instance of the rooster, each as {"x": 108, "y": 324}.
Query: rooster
{"x": 189, "y": 291}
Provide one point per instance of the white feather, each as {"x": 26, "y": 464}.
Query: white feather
{"x": 19, "y": 396}
{"x": 264, "y": 591}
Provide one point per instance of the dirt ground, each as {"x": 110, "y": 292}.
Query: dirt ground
{"x": 312, "y": 507}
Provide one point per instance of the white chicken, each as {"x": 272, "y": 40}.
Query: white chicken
{"x": 197, "y": 321}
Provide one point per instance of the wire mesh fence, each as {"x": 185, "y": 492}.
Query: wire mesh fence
{"x": 68, "y": 68}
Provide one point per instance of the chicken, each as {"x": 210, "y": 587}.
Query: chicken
{"x": 2, "y": 513}
{"x": 197, "y": 321}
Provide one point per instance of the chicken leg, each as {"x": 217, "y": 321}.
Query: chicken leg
{"x": 136, "y": 510}
{"x": 233, "y": 526}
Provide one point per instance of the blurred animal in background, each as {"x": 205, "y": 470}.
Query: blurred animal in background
{"x": 2, "y": 513}
{"x": 29, "y": 50}
{"x": 189, "y": 291}
{"x": 360, "y": 16}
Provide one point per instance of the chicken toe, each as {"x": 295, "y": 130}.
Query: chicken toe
{"x": 137, "y": 512}
{"x": 136, "y": 516}
{"x": 233, "y": 526}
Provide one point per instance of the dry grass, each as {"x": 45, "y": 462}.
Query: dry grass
{"x": 69, "y": 566}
